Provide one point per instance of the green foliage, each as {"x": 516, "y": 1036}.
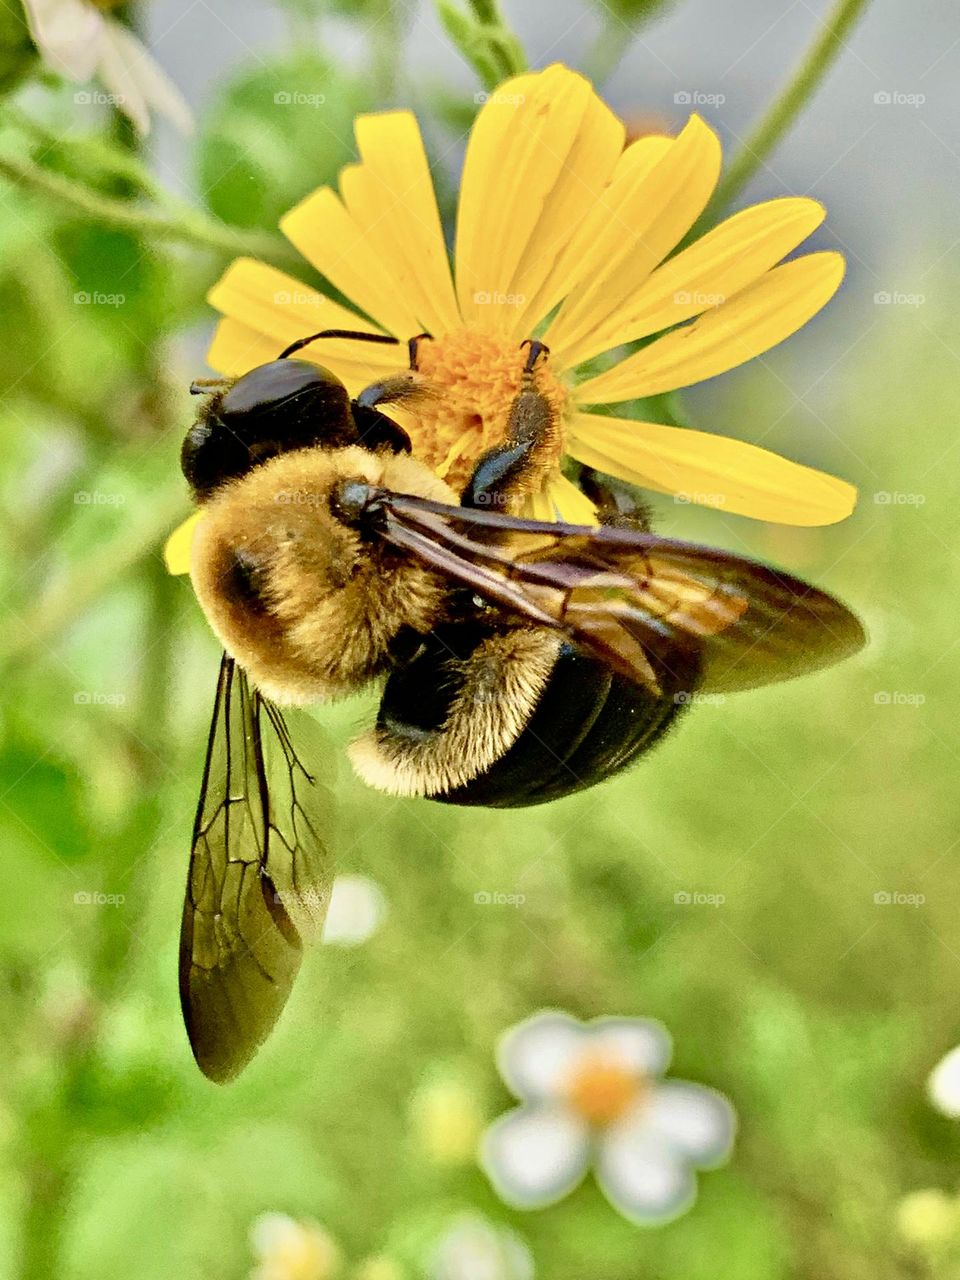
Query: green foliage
{"x": 266, "y": 122}
{"x": 817, "y": 1010}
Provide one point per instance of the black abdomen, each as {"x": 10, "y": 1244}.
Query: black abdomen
{"x": 589, "y": 723}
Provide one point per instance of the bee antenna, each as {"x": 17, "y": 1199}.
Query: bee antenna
{"x": 337, "y": 333}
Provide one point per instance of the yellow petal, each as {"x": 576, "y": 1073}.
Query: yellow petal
{"x": 397, "y": 201}
{"x": 569, "y": 504}
{"x": 332, "y": 240}
{"x": 539, "y": 507}
{"x": 643, "y": 214}
{"x": 714, "y": 471}
{"x": 267, "y": 309}
{"x": 236, "y": 348}
{"x": 176, "y": 551}
{"x": 713, "y": 269}
{"x": 542, "y": 145}
{"x": 546, "y": 274}
{"x": 753, "y": 321}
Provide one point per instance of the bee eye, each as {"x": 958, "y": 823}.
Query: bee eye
{"x": 276, "y": 408}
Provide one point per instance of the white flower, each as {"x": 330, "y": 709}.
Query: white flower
{"x": 357, "y": 910}
{"x": 591, "y": 1093}
{"x": 291, "y": 1250}
{"x": 78, "y": 41}
{"x": 944, "y": 1084}
{"x": 475, "y": 1249}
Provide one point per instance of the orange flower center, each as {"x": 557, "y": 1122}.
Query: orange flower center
{"x": 475, "y": 377}
{"x": 601, "y": 1088}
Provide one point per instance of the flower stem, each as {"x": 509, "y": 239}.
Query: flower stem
{"x": 180, "y": 223}
{"x": 785, "y": 109}
{"x": 484, "y": 38}
{"x": 56, "y": 613}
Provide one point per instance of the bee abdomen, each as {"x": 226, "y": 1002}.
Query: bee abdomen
{"x": 511, "y": 719}
{"x": 589, "y": 724}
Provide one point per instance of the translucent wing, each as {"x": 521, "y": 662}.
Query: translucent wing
{"x": 631, "y": 597}
{"x": 259, "y": 879}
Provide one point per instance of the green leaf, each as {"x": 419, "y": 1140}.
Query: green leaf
{"x": 275, "y": 135}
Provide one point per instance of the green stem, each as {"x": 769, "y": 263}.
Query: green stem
{"x": 782, "y": 113}
{"x": 96, "y": 152}
{"x": 185, "y": 225}
{"x": 56, "y": 613}
{"x": 484, "y": 38}
{"x": 606, "y": 52}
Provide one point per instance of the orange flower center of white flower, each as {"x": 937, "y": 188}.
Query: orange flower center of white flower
{"x": 601, "y": 1088}
{"x": 475, "y": 377}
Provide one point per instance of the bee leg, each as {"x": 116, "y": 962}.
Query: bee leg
{"x": 507, "y": 472}
{"x": 618, "y": 503}
{"x": 375, "y": 428}
{"x": 413, "y": 347}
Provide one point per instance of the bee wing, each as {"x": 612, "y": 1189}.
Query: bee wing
{"x": 259, "y": 879}
{"x": 638, "y": 601}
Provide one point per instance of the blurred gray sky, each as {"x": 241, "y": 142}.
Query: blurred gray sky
{"x": 889, "y": 171}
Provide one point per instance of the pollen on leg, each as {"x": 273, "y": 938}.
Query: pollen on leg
{"x": 475, "y": 377}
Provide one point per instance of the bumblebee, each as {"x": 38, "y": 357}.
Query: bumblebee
{"x": 520, "y": 661}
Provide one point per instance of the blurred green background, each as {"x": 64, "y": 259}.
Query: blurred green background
{"x": 816, "y": 1007}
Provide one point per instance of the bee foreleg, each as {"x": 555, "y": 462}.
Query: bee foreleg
{"x": 507, "y": 472}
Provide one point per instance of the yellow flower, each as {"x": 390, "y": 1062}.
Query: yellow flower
{"x": 289, "y": 1250}
{"x": 446, "y": 1121}
{"x": 563, "y": 232}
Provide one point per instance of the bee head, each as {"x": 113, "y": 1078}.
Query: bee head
{"x": 273, "y": 409}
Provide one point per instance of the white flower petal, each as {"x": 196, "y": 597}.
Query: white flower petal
{"x": 475, "y": 1249}
{"x": 535, "y": 1155}
{"x": 698, "y": 1123}
{"x": 642, "y": 1176}
{"x": 130, "y": 71}
{"x": 536, "y": 1057}
{"x": 357, "y": 910}
{"x": 68, "y": 34}
{"x": 640, "y": 1043}
{"x": 272, "y": 1232}
{"x": 944, "y": 1084}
